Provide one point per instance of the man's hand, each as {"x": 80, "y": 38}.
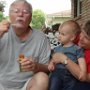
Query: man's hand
{"x": 4, "y": 26}
{"x": 28, "y": 64}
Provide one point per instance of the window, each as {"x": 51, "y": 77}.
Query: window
{"x": 77, "y": 8}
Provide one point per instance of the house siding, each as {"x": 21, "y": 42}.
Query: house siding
{"x": 85, "y": 11}
{"x": 58, "y": 17}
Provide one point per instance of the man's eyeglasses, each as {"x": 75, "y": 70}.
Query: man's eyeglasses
{"x": 24, "y": 11}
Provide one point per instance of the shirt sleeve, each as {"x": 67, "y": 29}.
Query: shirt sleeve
{"x": 45, "y": 52}
{"x": 80, "y": 53}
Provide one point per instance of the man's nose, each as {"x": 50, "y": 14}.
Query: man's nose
{"x": 20, "y": 13}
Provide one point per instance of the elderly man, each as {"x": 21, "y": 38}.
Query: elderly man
{"x": 18, "y": 40}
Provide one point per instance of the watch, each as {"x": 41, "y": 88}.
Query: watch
{"x": 65, "y": 62}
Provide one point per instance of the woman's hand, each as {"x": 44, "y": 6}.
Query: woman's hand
{"x": 59, "y": 57}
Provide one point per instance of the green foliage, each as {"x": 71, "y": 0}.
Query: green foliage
{"x": 1, "y": 16}
{"x": 38, "y": 19}
{"x": 2, "y": 5}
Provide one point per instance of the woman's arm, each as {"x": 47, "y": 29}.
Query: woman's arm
{"x": 77, "y": 70}
{"x": 88, "y": 77}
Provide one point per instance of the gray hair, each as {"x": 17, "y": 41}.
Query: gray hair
{"x": 24, "y": 1}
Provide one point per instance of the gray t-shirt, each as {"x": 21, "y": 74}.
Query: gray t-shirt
{"x": 11, "y": 47}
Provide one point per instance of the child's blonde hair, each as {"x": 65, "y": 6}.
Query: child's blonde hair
{"x": 74, "y": 25}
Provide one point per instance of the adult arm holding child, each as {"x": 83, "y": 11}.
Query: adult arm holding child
{"x": 78, "y": 70}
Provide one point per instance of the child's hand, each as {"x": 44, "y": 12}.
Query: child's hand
{"x": 51, "y": 66}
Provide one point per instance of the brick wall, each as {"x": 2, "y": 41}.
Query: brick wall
{"x": 85, "y": 11}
